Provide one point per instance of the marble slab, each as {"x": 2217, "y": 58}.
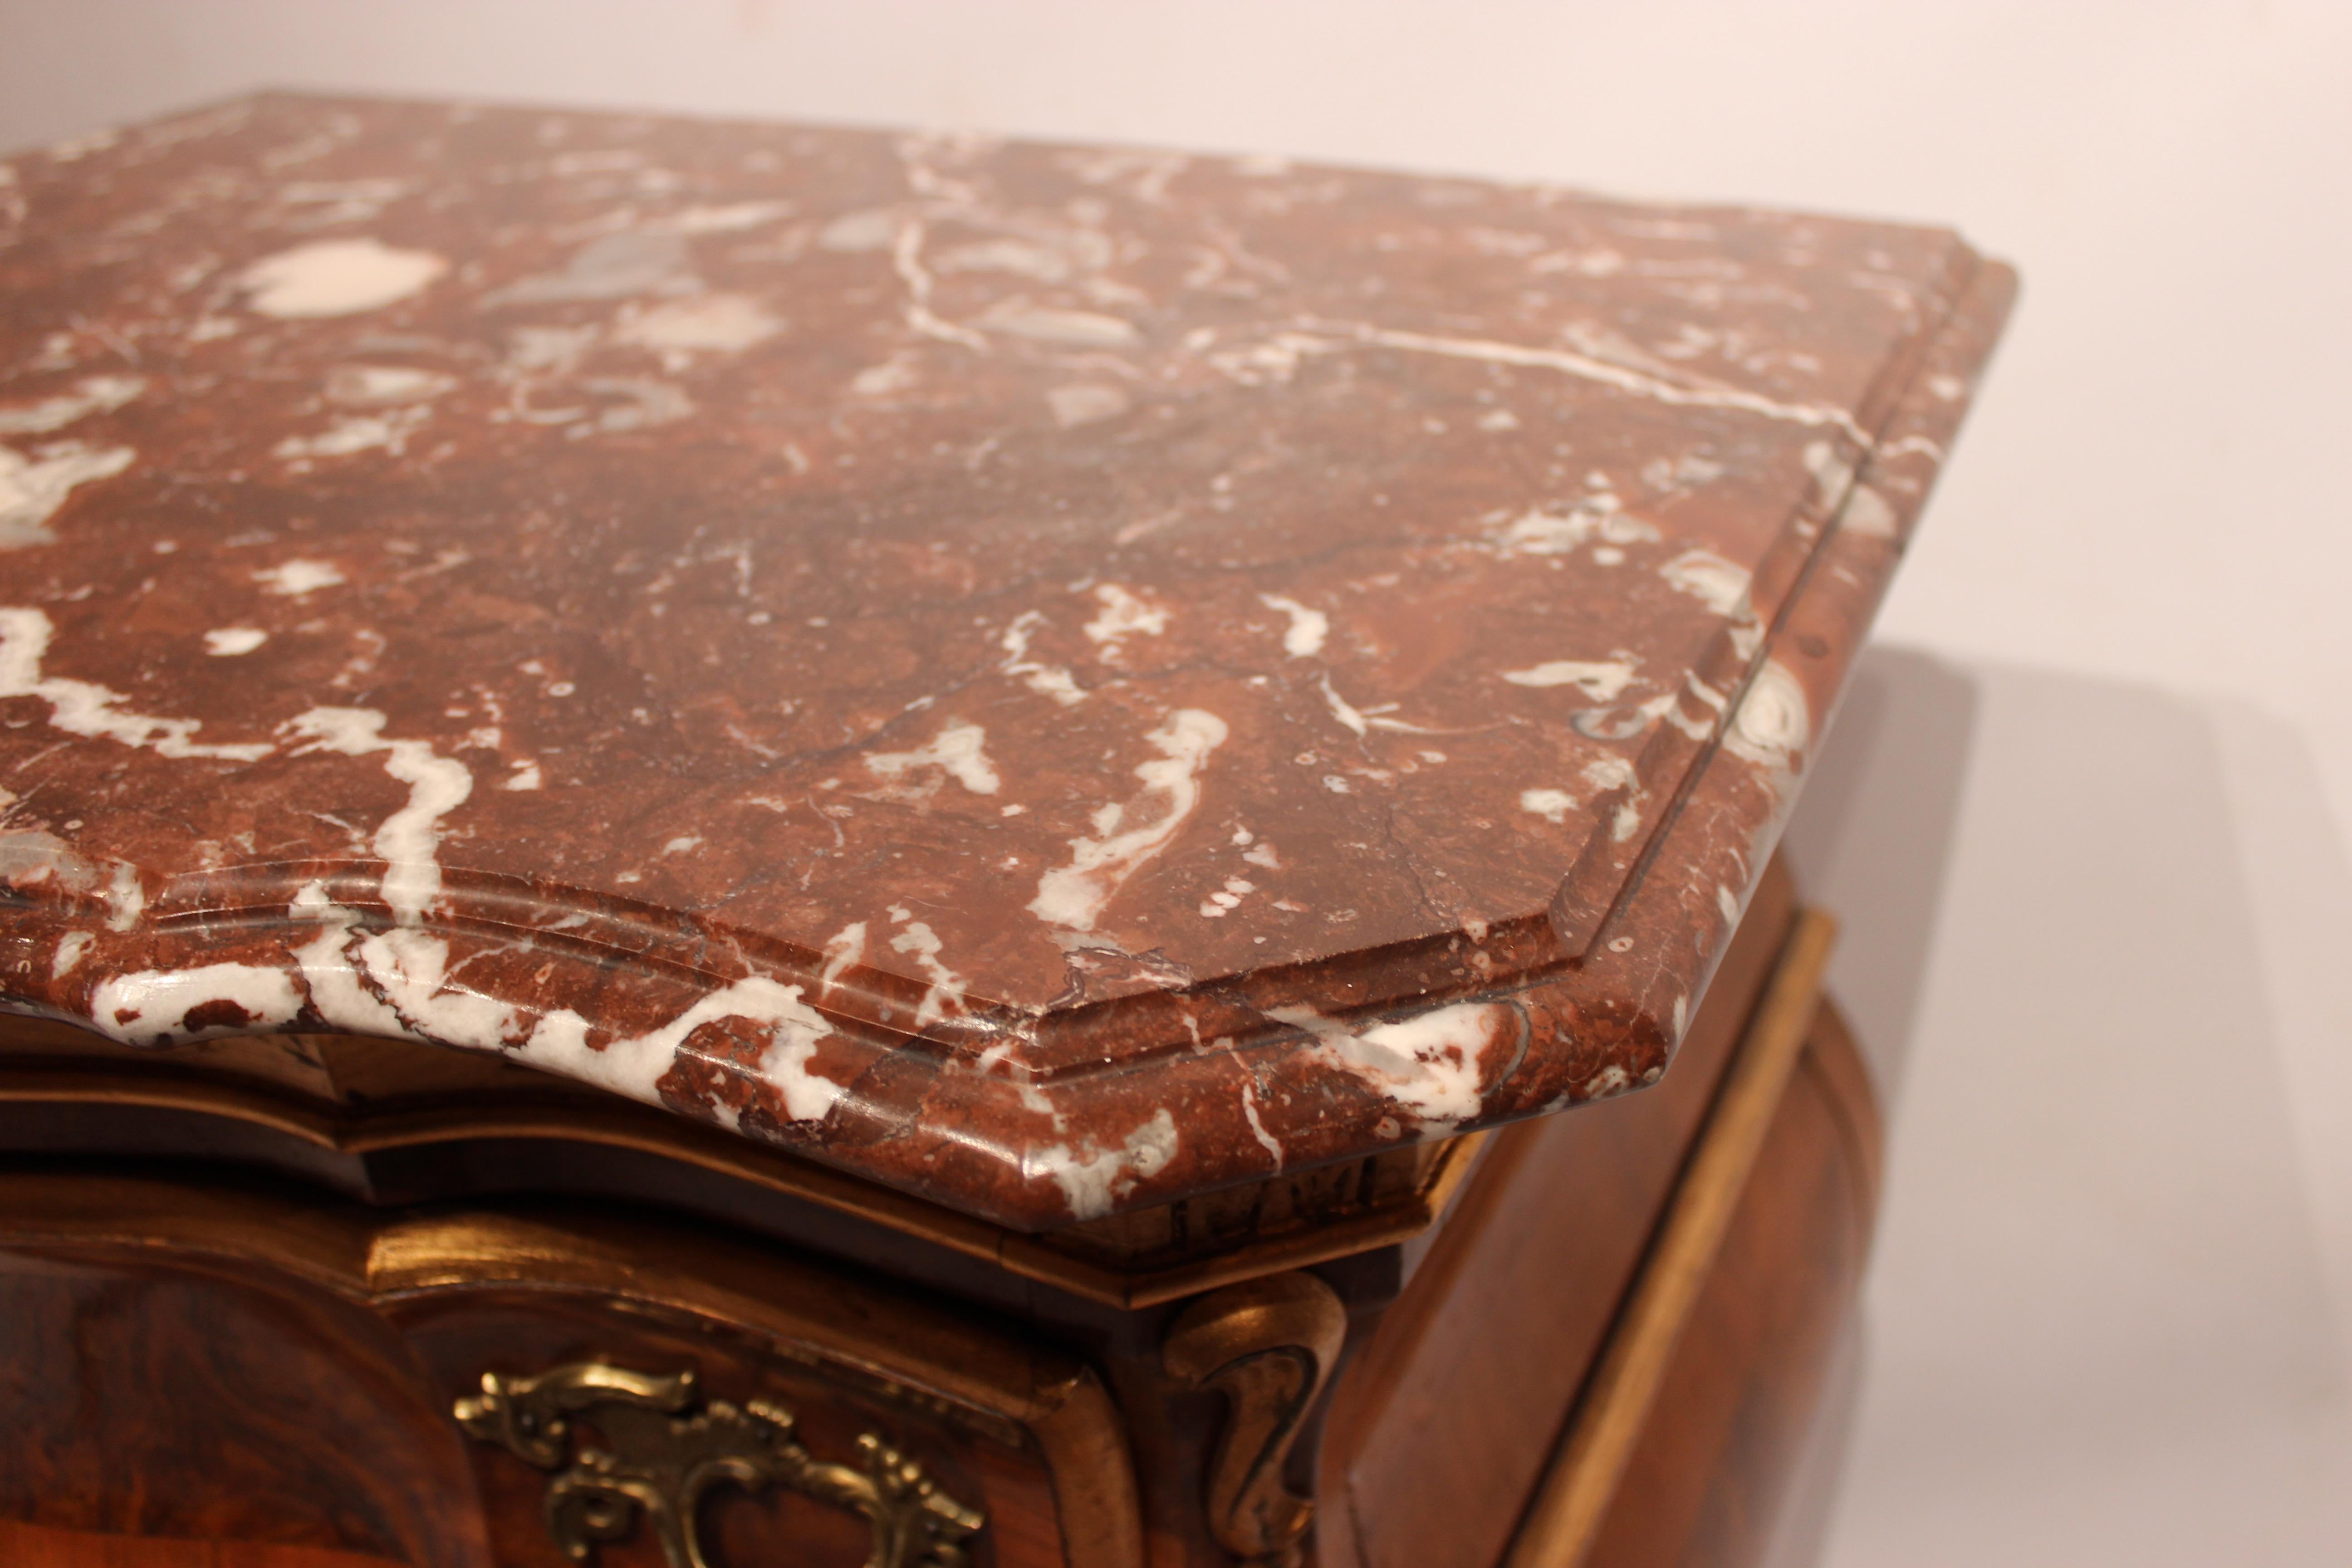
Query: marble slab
{"x": 1051, "y": 678}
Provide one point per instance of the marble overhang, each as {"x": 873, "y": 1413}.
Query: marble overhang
{"x": 1049, "y": 678}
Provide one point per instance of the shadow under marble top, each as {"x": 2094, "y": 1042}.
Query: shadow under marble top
{"x": 1050, "y": 678}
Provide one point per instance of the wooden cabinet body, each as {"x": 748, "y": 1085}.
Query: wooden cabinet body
{"x": 210, "y": 1346}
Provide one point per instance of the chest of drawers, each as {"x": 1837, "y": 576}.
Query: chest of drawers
{"x": 733, "y": 843}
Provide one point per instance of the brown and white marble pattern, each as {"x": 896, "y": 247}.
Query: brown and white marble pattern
{"x": 1050, "y": 678}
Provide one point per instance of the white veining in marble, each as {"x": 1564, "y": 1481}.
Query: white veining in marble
{"x": 1072, "y": 896}
{"x": 85, "y": 708}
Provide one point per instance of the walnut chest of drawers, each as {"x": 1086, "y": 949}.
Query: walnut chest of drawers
{"x": 738, "y": 843}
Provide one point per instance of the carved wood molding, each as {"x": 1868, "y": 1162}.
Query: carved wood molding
{"x": 660, "y": 1454}
{"x": 1269, "y": 1345}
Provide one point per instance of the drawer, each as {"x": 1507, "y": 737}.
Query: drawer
{"x": 233, "y": 1363}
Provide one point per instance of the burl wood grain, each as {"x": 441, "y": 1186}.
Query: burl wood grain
{"x": 38, "y": 1546}
{"x": 146, "y": 1397}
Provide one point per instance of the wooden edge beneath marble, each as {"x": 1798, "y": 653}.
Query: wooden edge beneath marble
{"x": 620, "y": 1126}
{"x": 1058, "y": 1404}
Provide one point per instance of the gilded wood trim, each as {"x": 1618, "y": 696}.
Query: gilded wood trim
{"x": 1084, "y": 1439}
{"x": 919, "y": 1351}
{"x": 1269, "y": 1346}
{"x": 621, "y": 1127}
{"x": 1573, "y": 1498}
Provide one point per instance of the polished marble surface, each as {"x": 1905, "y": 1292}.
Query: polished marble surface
{"x": 1049, "y": 678}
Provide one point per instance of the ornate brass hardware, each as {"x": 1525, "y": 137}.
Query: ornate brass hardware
{"x": 1270, "y": 1346}
{"x": 660, "y": 1456}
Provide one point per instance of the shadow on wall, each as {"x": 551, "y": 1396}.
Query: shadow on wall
{"x": 2101, "y": 1326}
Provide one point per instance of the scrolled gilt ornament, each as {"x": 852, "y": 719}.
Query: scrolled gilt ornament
{"x": 1269, "y": 1345}
{"x": 661, "y": 1454}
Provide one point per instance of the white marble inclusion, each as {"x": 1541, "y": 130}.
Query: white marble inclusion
{"x": 337, "y": 278}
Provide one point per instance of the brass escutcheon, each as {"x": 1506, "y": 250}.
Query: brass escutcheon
{"x": 661, "y": 1454}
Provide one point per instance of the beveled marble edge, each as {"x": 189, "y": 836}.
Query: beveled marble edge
{"x": 1253, "y": 1084}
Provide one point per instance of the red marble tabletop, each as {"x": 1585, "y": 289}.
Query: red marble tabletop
{"x": 1050, "y": 678}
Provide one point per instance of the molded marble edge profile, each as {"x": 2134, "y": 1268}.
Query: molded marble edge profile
{"x": 1601, "y": 883}
{"x": 1154, "y": 1121}
{"x": 687, "y": 1144}
{"x": 1009, "y": 1389}
{"x": 1608, "y": 873}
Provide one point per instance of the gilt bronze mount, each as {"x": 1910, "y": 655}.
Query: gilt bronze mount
{"x": 660, "y": 1454}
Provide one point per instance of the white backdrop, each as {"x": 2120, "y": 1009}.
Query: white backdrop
{"x": 2104, "y": 758}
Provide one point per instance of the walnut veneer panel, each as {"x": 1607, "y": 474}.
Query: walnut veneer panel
{"x": 38, "y": 1546}
{"x": 151, "y": 1395}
